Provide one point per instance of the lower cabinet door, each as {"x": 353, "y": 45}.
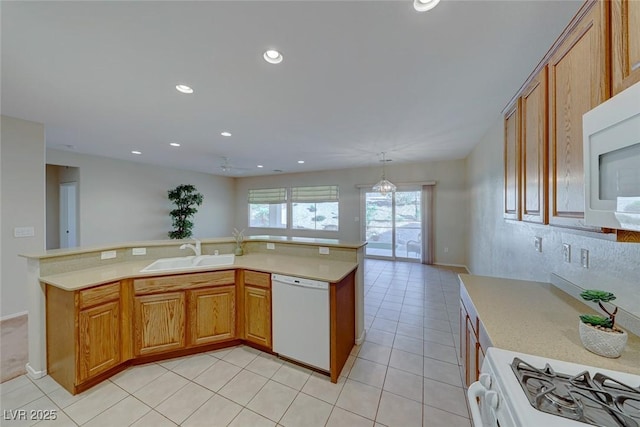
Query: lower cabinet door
{"x": 212, "y": 314}
{"x": 257, "y": 315}
{"x": 159, "y": 323}
{"x": 99, "y": 339}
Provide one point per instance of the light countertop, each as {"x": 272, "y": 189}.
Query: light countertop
{"x": 298, "y": 266}
{"x": 538, "y": 318}
{"x": 309, "y": 241}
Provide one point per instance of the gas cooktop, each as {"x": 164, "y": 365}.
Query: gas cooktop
{"x": 597, "y": 400}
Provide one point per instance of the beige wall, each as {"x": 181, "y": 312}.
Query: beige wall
{"x": 450, "y": 203}
{"x": 506, "y": 248}
{"x": 122, "y": 201}
{"x": 23, "y": 205}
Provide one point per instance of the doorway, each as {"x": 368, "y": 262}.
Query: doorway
{"x": 393, "y": 225}
{"x": 68, "y": 217}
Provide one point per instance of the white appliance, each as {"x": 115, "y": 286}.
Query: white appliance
{"x": 300, "y": 320}
{"x": 499, "y": 398}
{"x": 611, "y": 150}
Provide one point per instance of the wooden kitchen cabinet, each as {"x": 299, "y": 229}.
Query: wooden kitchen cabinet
{"x": 257, "y": 319}
{"x": 83, "y": 333}
{"x": 257, "y": 308}
{"x": 183, "y": 310}
{"x": 212, "y": 314}
{"x": 159, "y": 323}
{"x": 99, "y": 339}
{"x": 578, "y": 82}
{"x": 512, "y": 181}
{"x": 474, "y": 340}
{"x": 625, "y": 44}
{"x": 534, "y": 149}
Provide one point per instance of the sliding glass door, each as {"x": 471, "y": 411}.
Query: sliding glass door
{"x": 393, "y": 224}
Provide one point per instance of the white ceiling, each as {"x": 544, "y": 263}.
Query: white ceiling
{"x": 358, "y": 78}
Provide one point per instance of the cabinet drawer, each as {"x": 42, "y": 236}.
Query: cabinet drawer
{"x": 255, "y": 278}
{"x": 99, "y": 294}
{"x": 155, "y": 285}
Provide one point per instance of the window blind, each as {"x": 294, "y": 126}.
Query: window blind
{"x": 264, "y": 196}
{"x": 320, "y": 193}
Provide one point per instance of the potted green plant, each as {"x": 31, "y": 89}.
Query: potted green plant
{"x": 186, "y": 198}
{"x": 599, "y": 334}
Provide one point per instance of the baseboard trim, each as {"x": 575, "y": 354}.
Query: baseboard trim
{"x": 14, "y": 315}
{"x": 33, "y": 374}
{"x": 452, "y": 265}
{"x": 360, "y": 339}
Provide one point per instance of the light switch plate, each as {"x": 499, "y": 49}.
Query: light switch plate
{"x": 23, "y": 232}
{"x": 108, "y": 255}
{"x": 566, "y": 252}
{"x": 538, "y": 244}
{"x": 584, "y": 258}
{"x": 138, "y": 251}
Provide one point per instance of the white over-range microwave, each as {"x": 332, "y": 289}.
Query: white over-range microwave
{"x": 611, "y": 136}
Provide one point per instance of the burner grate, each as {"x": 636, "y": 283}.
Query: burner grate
{"x": 599, "y": 401}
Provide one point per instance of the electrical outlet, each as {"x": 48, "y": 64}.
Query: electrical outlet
{"x": 566, "y": 252}
{"x": 446, "y": 250}
{"x": 584, "y": 258}
{"x": 538, "y": 244}
{"x": 271, "y": 245}
{"x": 108, "y": 254}
{"x": 323, "y": 250}
{"x": 138, "y": 251}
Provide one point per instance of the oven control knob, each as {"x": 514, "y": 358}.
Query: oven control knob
{"x": 485, "y": 380}
{"x": 492, "y": 399}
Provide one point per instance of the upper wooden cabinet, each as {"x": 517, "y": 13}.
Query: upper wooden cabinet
{"x": 534, "y": 149}
{"x": 578, "y": 82}
{"x": 511, "y": 208}
{"x": 625, "y": 43}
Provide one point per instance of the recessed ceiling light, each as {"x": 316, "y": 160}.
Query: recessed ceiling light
{"x": 272, "y": 57}
{"x": 225, "y": 133}
{"x": 174, "y": 144}
{"x": 260, "y": 166}
{"x": 184, "y": 89}
{"x": 424, "y": 5}
{"x": 301, "y": 161}
{"x": 136, "y": 152}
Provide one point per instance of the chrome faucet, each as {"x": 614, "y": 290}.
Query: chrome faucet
{"x": 197, "y": 248}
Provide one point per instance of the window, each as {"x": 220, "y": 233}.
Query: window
{"x": 268, "y": 208}
{"x": 315, "y": 208}
{"x": 311, "y": 208}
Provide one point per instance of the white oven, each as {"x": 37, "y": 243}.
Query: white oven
{"x": 611, "y": 150}
{"x": 521, "y": 390}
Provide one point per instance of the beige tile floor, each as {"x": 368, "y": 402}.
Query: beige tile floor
{"x": 406, "y": 373}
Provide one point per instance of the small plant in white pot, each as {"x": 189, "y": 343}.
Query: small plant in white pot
{"x": 599, "y": 334}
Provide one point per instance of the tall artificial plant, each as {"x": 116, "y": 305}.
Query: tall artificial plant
{"x": 186, "y": 198}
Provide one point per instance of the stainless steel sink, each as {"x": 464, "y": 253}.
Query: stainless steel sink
{"x": 189, "y": 262}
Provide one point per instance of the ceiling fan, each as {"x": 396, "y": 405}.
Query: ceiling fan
{"x": 230, "y": 169}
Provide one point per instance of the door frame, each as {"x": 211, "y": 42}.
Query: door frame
{"x": 425, "y": 221}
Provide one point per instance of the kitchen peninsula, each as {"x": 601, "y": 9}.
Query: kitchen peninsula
{"x": 79, "y": 294}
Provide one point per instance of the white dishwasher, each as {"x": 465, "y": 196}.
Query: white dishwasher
{"x": 300, "y": 316}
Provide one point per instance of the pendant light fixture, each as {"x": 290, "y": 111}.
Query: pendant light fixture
{"x": 384, "y": 186}
{"x": 425, "y": 5}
